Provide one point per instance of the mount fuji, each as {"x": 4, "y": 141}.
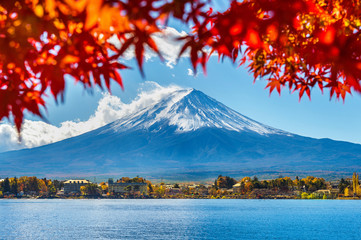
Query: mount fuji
{"x": 184, "y": 135}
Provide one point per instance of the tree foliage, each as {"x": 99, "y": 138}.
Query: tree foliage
{"x": 91, "y": 189}
{"x": 343, "y": 185}
{"x": 295, "y": 44}
{"x": 224, "y": 182}
{"x": 5, "y": 185}
{"x": 28, "y": 186}
{"x": 131, "y": 180}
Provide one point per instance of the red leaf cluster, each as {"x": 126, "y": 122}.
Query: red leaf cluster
{"x": 296, "y": 44}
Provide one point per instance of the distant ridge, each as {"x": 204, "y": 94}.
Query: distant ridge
{"x": 184, "y": 135}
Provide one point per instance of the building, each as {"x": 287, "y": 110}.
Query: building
{"x": 73, "y": 186}
{"x": 237, "y": 188}
{"x": 320, "y": 193}
{"x": 193, "y": 186}
{"x": 334, "y": 184}
{"x": 133, "y": 188}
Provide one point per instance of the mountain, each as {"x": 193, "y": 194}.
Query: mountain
{"x": 185, "y": 135}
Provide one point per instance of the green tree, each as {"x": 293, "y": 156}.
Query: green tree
{"x": 91, "y": 189}
{"x": 58, "y": 184}
{"x": 256, "y": 183}
{"x": 343, "y": 185}
{"x": 14, "y": 186}
{"x": 51, "y": 188}
{"x": 6, "y": 185}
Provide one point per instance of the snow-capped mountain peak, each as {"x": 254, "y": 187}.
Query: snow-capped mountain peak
{"x": 189, "y": 110}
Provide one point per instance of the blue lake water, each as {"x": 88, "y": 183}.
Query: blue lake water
{"x": 180, "y": 219}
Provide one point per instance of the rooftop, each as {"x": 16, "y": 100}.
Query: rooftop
{"x": 126, "y": 184}
{"x": 77, "y": 181}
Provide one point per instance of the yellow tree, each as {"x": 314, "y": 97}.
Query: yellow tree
{"x": 42, "y": 187}
{"x": 83, "y": 190}
{"x": 246, "y": 179}
{"x": 355, "y": 184}
{"x": 104, "y": 187}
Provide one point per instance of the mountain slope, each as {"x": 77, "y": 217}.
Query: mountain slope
{"x": 190, "y": 110}
{"x": 185, "y": 134}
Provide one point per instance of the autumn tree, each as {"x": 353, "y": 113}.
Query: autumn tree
{"x": 43, "y": 189}
{"x": 313, "y": 183}
{"x": 355, "y": 184}
{"x": 21, "y": 183}
{"x": 104, "y": 187}
{"x": 32, "y": 185}
{"x": 298, "y": 45}
{"x": 284, "y": 183}
{"x": 159, "y": 190}
{"x": 51, "y": 188}
{"x": 131, "y": 180}
{"x": 224, "y": 182}
{"x": 248, "y": 187}
{"x": 347, "y": 192}
{"x": 149, "y": 186}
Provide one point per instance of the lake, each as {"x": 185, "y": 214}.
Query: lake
{"x": 180, "y": 219}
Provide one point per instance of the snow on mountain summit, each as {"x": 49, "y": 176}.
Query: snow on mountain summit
{"x": 189, "y": 110}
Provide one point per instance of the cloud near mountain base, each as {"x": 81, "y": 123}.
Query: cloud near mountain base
{"x": 110, "y": 108}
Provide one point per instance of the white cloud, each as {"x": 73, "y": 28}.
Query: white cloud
{"x": 110, "y": 108}
{"x": 190, "y": 72}
{"x": 167, "y": 43}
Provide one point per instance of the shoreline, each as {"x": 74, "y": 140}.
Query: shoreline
{"x": 149, "y": 198}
